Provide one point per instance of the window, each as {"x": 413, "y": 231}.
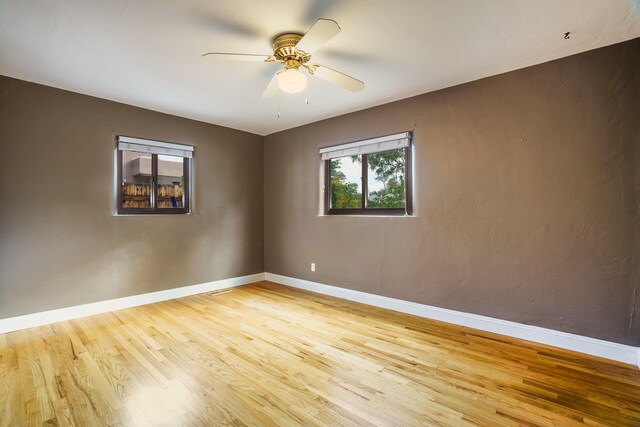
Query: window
{"x": 153, "y": 177}
{"x": 371, "y": 177}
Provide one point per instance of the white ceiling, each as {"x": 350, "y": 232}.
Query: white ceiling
{"x": 147, "y": 53}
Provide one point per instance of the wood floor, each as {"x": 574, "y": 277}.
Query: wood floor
{"x": 266, "y": 354}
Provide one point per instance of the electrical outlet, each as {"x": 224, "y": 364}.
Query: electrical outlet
{"x": 313, "y": 266}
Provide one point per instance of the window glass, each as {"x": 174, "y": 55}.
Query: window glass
{"x": 153, "y": 176}
{"x": 386, "y": 179}
{"x": 369, "y": 176}
{"x": 170, "y": 182}
{"x": 136, "y": 180}
{"x": 346, "y": 182}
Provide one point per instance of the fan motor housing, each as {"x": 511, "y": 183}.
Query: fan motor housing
{"x": 284, "y": 48}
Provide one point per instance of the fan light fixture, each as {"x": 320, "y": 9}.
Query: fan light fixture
{"x": 293, "y": 51}
{"x": 291, "y": 81}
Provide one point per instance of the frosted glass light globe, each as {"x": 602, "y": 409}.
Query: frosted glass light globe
{"x": 291, "y": 81}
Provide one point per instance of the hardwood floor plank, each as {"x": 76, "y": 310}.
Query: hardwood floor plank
{"x": 265, "y": 354}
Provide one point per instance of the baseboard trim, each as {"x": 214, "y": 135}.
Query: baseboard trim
{"x": 608, "y": 350}
{"x": 32, "y": 320}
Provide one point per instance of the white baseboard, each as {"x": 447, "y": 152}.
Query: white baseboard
{"x": 609, "y": 350}
{"x": 58, "y": 315}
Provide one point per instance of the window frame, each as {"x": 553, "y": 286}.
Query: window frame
{"x": 154, "y": 209}
{"x": 365, "y": 210}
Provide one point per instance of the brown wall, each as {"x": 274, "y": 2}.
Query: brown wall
{"x": 526, "y": 203}
{"x": 61, "y": 245}
{"x": 526, "y": 199}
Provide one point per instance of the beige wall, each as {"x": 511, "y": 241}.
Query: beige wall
{"x": 61, "y": 245}
{"x": 526, "y": 199}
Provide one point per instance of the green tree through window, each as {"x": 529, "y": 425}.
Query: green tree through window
{"x": 386, "y": 169}
{"x": 344, "y": 194}
{"x": 385, "y": 180}
{"x": 369, "y": 176}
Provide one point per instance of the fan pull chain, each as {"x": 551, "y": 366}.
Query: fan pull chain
{"x": 278, "y": 102}
{"x": 306, "y": 97}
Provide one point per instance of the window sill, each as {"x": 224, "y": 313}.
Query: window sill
{"x": 366, "y": 216}
{"x": 153, "y": 214}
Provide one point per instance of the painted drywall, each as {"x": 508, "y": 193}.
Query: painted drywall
{"x": 526, "y": 199}
{"x": 60, "y": 242}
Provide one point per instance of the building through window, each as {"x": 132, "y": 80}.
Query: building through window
{"x": 153, "y": 176}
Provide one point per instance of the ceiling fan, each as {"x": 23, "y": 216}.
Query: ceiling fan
{"x": 294, "y": 51}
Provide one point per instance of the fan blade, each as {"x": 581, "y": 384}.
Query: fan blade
{"x": 272, "y": 87}
{"x": 241, "y": 56}
{"x": 320, "y": 33}
{"x": 336, "y": 77}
